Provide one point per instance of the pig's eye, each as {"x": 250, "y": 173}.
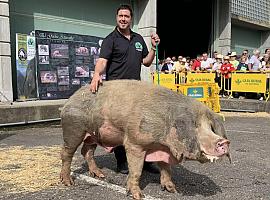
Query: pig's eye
{"x": 212, "y": 129}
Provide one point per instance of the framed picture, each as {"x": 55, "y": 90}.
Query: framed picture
{"x": 82, "y": 51}
{"x": 43, "y": 50}
{"x": 43, "y": 60}
{"x": 48, "y": 77}
{"x": 59, "y": 51}
{"x": 82, "y": 71}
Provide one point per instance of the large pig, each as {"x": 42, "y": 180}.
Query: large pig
{"x": 153, "y": 123}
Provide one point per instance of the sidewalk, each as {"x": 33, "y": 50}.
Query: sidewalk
{"x": 30, "y": 111}
{"x": 49, "y": 110}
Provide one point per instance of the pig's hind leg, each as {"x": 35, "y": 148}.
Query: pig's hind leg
{"x": 73, "y": 135}
{"x": 88, "y": 151}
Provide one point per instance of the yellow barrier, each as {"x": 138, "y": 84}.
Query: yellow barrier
{"x": 199, "y": 77}
{"x": 248, "y": 82}
{"x": 165, "y": 80}
{"x": 205, "y": 92}
{"x": 245, "y": 82}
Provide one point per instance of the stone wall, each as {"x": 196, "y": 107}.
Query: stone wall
{"x": 5, "y": 54}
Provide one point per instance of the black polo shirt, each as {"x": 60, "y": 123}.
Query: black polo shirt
{"x": 124, "y": 56}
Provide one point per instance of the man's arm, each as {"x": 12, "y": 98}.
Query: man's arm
{"x": 99, "y": 70}
{"x": 147, "y": 61}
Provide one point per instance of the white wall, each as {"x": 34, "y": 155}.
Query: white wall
{"x": 5, "y": 55}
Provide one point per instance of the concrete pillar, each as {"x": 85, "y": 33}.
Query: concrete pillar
{"x": 215, "y": 25}
{"x": 224, "y": 28}
{"x": 265, "y": 40}
{"x": 147, "y": 24}
{"x": 5, "y": 53}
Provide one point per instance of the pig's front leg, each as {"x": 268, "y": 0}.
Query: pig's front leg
{"x": 135, "y": 158}
{"x": 88, "y": 151}
{"x": 165, "y": 177}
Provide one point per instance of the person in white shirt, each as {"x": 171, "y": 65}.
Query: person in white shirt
{"x": 206, "y": 63}
{"x": 254, "y": 62}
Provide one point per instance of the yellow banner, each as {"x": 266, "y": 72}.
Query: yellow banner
{"x": 201, "y": 77}
{"x": 249, "y": 82}
{"x": 165, "y": 80}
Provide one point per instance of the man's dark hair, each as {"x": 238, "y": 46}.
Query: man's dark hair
{"x": 125, "y": 7}
{"x": 266, "y": 50}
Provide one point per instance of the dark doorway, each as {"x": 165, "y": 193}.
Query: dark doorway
{"x": 184, "y": 27}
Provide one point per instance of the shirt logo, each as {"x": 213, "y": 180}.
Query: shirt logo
{"x": 138, "y": 46}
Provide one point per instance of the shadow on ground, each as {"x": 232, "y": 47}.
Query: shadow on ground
{"x": 187, "y": 182}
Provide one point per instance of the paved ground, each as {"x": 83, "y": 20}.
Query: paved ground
{"x": 248, "y": 177}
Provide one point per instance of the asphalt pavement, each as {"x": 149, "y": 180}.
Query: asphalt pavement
{"x": 247, "y": 177}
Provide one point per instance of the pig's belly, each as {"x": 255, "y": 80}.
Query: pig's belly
{"x": 154, "y": 155}
{"x": 160, "y": 155}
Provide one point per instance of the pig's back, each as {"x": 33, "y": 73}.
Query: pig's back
{"x": 118, "y": 99}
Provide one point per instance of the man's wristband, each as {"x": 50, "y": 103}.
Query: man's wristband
{"x": 153, "y": 48}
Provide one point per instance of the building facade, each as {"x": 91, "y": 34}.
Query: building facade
{"x": 235, "y": 25}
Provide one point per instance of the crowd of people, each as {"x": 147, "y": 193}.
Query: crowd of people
{"x": 243, "y": 62}
{"x": 222, "y": 65}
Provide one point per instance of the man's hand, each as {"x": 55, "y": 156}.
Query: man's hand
{"x": 96, "y": 81}
{"x": 97, "y": 78}
{"x": 154, "y": 39}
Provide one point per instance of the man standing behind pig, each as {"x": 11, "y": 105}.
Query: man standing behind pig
{"x": 121, "y": 55}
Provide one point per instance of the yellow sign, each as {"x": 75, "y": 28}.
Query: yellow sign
{"x": 197, "y": 91}
{"x": 249, "y": 82}
{"x": 165, "y": 80}
{"x": 200, "y": 77}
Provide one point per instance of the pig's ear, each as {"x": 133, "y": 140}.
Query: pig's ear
{"x": 216, "y": 124}
{"x": 186, "y": 131}
{"x": 185, "y": 127}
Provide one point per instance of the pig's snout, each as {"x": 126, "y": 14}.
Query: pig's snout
{"x": 222, "y": 147}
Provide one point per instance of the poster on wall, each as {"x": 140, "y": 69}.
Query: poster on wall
{"x": 26, "y": 67}
{"x": 65, "y": 62}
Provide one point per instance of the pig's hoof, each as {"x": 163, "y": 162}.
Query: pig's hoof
{"x": 96, "y": 173}
{"x": 66, "y": 180}
{"x": 169, "y": 186}
{"x": 136, "y": 194}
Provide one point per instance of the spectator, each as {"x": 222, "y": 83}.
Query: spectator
{"x": 180, "y": 66}
{"x": 176, "y": 65}
{"x": 266, "y": 68}
{"x": 254, "y": 62}
{"x": 216, "y": 68}
{"x": 226, "y": 69}
{"x": 191, "y": 62}
{"x": 174, "y": 59}
{"x": 266, "y": 62}
{"x": 206, "y": 63}
{"x": 218, "y": 63}
{"x": 267, "y": 51}
{"x": 160, "y": 64}
{"x": 242, "y": 66}
{"x": 214, "y": 58}
{"x": 245, "y": 53}
{"x": 197, "y": 63}
{"x": 168, "y": 66}
{"x": 188, "y": 66}
{"x": 233, "y": 60}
